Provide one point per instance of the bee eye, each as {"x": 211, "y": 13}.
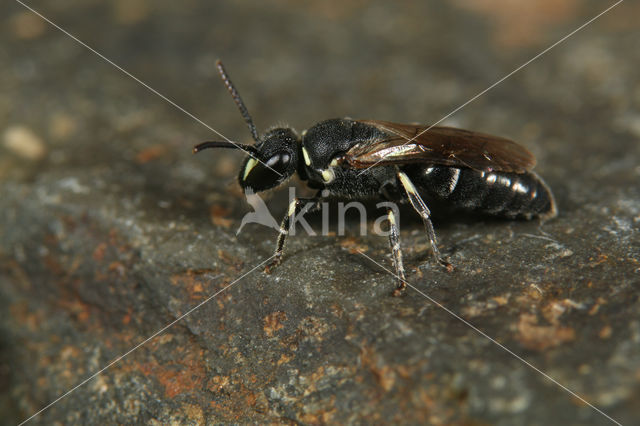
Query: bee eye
{"x": 279, "y": 162}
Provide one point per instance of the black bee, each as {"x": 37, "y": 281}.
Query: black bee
{"x": 369, "y": 159}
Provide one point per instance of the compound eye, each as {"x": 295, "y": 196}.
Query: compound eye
{"x": 279, "y": 162}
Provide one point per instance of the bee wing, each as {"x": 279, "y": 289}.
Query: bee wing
{"x": 445, "y": 146}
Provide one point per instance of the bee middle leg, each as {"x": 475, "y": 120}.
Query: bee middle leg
{"x": 285, "y": 226}
{"x": 394, "y": 242}
{"x": 421, "y": 208}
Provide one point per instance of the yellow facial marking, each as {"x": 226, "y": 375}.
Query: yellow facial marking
{"x": 250, "y": 165}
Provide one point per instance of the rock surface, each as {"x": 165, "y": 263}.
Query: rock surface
{"x": 111, "y": 230}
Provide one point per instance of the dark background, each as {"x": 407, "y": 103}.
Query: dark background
{"x": 110, "y": 229}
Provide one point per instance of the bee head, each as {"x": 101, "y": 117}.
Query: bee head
{"x": 275, "y": 161}
{"x": 274, "y": 157}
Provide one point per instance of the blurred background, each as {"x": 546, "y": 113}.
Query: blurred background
{"x": 92, "y": 162}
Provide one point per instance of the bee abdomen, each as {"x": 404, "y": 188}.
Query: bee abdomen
{"x": 497, "y": 193}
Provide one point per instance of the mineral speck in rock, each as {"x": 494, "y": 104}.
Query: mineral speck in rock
{"x": 24, "y": 142}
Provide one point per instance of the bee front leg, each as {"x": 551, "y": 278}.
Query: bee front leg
{"x": 421, "y": 208}
{"x": 285, "y": 226}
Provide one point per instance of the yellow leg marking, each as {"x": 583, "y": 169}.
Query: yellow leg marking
{"x": 292, "y": 208}
{"x": 408, "y": 185}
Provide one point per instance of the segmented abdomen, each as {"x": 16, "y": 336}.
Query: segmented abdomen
{"x": 497, "y": 193}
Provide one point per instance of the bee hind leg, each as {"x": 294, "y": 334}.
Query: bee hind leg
{"x": 421, "y": 208}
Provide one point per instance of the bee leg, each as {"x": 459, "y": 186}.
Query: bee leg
{"x": 419, "y": 206}
{"x": 394, "y": 242}
{"x": 294, "y": 208}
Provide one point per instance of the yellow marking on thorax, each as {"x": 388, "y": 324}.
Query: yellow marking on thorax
{"x": 328, "y": 175}
{"x": 305, "y": 154}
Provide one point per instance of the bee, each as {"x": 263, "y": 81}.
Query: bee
{"x": 372, "y": 159}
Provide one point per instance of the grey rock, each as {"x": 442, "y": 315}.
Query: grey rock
{"x": 112, "y": 231}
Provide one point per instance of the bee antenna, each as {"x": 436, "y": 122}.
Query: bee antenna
{"x": 252, "y": 151}
{"x": 238, "y": 100}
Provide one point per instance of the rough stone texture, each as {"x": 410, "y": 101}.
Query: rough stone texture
{"x": 110, "y": 229}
